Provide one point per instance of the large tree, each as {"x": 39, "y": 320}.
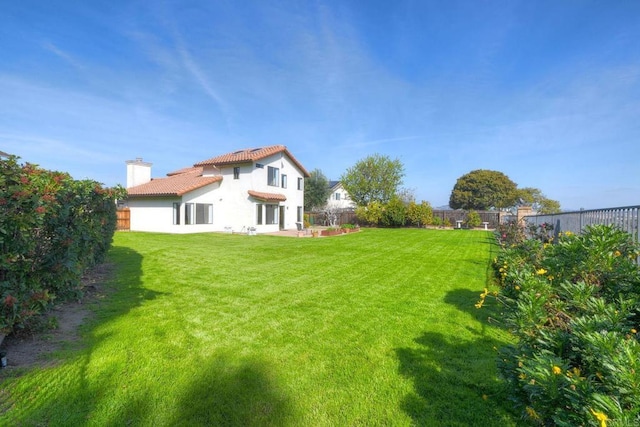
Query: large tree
{"x": 375, "y": 178}
{"x": 316, "y": 190}
{"x": 540, "y": 202}
{"x": 483, "y": 189}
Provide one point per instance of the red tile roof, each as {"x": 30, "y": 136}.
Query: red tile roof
{"x": 267, "y": 197}
{"x": 176, "y": 184}
{"x": 249, "y": 155}
{"x": 182, "y": 181}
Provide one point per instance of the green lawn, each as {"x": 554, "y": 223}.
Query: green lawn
{"x": 372, "y": 328}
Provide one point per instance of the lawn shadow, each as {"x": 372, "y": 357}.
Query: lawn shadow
{"x": 74, "y": 404}
{"x": 228, "y": 392}
{"x": 455, "y": 378}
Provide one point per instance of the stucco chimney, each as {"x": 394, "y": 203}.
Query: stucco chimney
{"x": 138, "y": 172}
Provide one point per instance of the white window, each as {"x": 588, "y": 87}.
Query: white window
{"x": 204, "y": 213}
{"x": 176, "y": 213}
{"x": 272, "y": 214}
{"x": 188, "y": 213}
{"x": 284, "y": 181}
{"x": 299, "y": 183}
{"x": 201, "y": 213}
{"x": 273, "y": 179}
{"x": 337, "y": 196}
{"x": 259, "y": 214}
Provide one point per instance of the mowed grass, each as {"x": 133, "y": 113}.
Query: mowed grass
{"x": 372, "y": 328}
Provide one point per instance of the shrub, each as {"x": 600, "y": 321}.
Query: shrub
{"x": 573, "y": 307}
{"x": 473, "y": 219}
{"x": 52, "y": 229}
{"x": 419, "y": 215}
{"x": 370, "y": 214}
{"x": 542, "y": 232}
{"x": 510, "y": 233}
{"x": 394, "y": 213}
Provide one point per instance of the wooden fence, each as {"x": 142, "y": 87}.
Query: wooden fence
{"x": 124, "y": 219}
{"x": 446, "y": 216}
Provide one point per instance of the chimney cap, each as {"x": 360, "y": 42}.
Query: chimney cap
{"x": 138, "y": 161}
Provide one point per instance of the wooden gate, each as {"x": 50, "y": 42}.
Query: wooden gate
{"x": 124, "y": 219}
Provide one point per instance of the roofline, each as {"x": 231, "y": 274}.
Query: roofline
{"x": 276, "y": 149}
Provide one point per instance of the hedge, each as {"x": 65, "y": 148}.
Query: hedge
{"x": 573, "y": 304}
{"x": 52, "y": 229}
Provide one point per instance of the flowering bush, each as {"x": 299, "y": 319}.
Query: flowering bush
{"x": 52, "y": 229}
{"x": 510, "y": 233}
{"x": 573, "y": 307}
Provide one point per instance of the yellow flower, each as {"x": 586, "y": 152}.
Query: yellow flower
{"x": 600, "y": 416}
{"x": 617, "y": 253}
{"x": 532, "y": 413}
{"x": 633, "y": 331}
{"x": 541, "y": 272}
{"x": 557, "y": 370}
{"x": 517, "y": 287}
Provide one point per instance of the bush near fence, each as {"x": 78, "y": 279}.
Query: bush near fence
{"x": 52, "y": 229}
{"x": 439, "y": 217}
{"x": 572, "y": 306}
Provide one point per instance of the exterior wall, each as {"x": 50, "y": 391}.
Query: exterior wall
{"x": 153, "y": 214}
{"x": 156, "y": 213}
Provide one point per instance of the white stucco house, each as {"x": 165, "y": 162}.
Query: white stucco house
{"x": 339, "y": 198}
{"x": 258, "y": 189}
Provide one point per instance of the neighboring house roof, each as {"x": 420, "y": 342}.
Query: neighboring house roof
{"x": 267, "y": 197}
{"x": 249, "y": 155}
{"x": 334, "y": 184}
{"x": 176, "y": 184}
{"x": 3, "y": 154}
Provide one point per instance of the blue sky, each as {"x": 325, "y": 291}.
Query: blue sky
{"x": 547, "y": 92}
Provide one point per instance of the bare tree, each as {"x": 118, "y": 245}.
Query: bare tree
{"x": 330, "y": 212}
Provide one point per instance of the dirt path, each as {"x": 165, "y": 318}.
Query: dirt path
{"x": 28, "y": 351}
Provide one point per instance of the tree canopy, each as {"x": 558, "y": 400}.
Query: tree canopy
{"x": 539, "y": 201}
{"x": 375, "y": 178}
{"x": 483, "y": 189}
{"x": 316, "y": 190}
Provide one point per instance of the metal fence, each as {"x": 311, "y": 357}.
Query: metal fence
{"x": 626, "y": 218}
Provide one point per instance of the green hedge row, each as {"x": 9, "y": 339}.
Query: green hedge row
{"x": 52, "y": 229}
{"x": 395, "y": 213}
{"x": 574, "y": 306}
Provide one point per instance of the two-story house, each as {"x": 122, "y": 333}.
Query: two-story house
{"x": 259, "y": 189}
{"x": 339, "y": 198}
